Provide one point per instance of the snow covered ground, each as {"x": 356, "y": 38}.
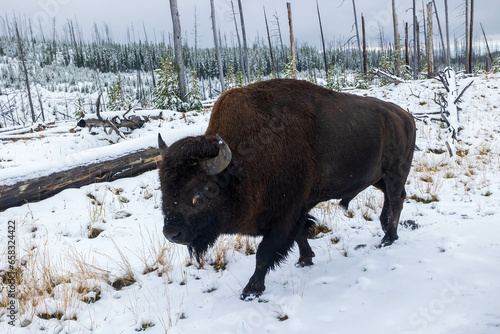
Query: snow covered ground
{"x": 441, "y": 276}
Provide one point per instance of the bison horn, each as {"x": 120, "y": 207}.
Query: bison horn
{"x": 216, "y": 165}
{"x": 161, "y": 145}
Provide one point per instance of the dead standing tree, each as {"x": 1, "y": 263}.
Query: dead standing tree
{"x": 24, "y": 69}
{"x": 360, "y": 51}
{"x": 270, "y": 44}
{"x": 217, "y": 49}
{"x": 322, "y": 39}
{"x": 430, "y": 46}
{"x": 467, "y": 68}
{"x": 448, "y": 55}
{"x": 242, "y": 64}
{"x": 179, "y": 59}
{"x": 471, "y": 35}
{"x": 396, "y": 38}
{"x": 292, "y": 44}
{"x": 245, "y": 46}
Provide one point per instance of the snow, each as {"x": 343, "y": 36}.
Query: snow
{"x": 441, "y": 277}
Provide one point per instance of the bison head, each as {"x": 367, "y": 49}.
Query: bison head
{"x": 195, "y": 195}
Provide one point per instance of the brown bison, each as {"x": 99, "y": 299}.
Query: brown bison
{"x": 284, "y": 146}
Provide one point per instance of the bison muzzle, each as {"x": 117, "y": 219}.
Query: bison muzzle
{"x": 272, "y": 151}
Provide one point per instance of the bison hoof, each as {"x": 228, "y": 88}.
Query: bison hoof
{"x": 388, "y": 239}
{"x": 248, "y": 297}
{"x": 304, "y": 262}
{"x": 252, "y": 291}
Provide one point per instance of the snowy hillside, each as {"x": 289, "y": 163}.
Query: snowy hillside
{"x": 441, "y": 276}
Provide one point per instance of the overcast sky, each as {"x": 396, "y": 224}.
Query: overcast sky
{"x": 337, "y": 17}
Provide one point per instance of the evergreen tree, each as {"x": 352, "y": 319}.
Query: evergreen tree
{"x": 166, "y": 95}
{"x": 118, "y": 99}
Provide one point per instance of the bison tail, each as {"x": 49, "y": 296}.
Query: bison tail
{"x": 308, "y": 222}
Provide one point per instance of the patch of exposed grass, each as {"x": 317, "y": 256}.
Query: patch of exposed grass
{"x": 432, "y": 198}
{"x": 94, "y": 232}
{"x": 427, "y": 179}
{"x": 46, "y": 316}
{"x": 122, "y": 282}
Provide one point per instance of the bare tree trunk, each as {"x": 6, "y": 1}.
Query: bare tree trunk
{"x": 25, "y": 70}
{"x": 196, "y": 44}
{"x": 322, "y": 39}
{"x": 40, "y": 102}
{"x": 419, "y": 58}
{"x": 430, "y": 46}
{"x": 407, "y": 51}
{"x": 424, "y": 26}
{"x": 360, "y": 51}
{"x": 396, "y": 37}
{"x": 242, "y": 64}
{"x": 179, "y": 58}
{"x": 439, "y": 27}
{"x": 471, "y": 35}
{"x": 292, "y": 44}
{"x": 245, "y": 46}
{"x": 365, "y": 56}
{"x": 217, "y": 49}
{"x": 270, "y": 44}
{"x": 487, "y": 46}
{"x": 283, "y": 53}
{"x": 415, "y": 42}
{"x": 149, "y": 56}
{"x": 467, "y": 69}
{"x": 448, "y": 55}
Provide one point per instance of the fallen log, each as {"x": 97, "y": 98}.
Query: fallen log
{"x": 387, "y": 77}
{"x": 32, "y": 190}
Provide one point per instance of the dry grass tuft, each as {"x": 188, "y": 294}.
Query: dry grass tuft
{"x": 317, "y": 230}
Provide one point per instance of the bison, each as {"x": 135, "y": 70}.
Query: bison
{"x": 272, "y": 151}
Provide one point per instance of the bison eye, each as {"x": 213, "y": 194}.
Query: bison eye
{"x": 200, "y": 197}
{"x": 196, "y": 199}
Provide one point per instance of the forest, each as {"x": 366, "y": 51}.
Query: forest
{"x": 35, "y": 67}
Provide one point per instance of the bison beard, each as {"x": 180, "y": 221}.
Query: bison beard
{"x": 288, "y": 145}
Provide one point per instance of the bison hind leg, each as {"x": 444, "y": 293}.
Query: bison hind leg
{"x": 306, "y": 253}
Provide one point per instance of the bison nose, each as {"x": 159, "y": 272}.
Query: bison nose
{"x": 175, "y": 235}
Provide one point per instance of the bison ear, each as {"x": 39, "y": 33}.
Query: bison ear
{"x": 161, "y": 145}
{"x": 216, "y": 165}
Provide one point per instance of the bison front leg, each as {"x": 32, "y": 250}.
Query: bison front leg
{"x": 272, "y": 250}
